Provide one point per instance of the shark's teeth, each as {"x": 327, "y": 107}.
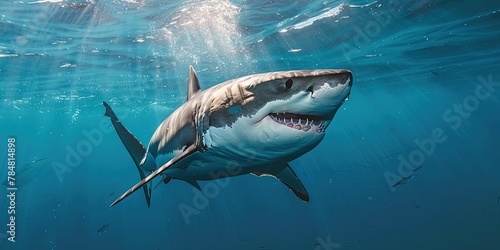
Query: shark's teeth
{"x": 300, "y": 122}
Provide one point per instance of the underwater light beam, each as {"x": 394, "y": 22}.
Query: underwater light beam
{"x": 208, "y": 28}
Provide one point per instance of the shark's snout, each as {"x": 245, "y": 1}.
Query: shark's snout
{"x": 315, "y": 110}
{"x": 347, "y": 78}
{"x": 343, "y": 78}
{"x": 330, "y": 88}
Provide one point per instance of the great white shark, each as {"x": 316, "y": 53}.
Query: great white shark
{"x": 254, "y": 124}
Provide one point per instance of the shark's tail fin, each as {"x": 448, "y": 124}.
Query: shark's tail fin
{"x": 109, "y": 112}
{"x": 133, "y": 146}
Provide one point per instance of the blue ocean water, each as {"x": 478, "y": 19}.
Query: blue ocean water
{"x": 426, "y": 94}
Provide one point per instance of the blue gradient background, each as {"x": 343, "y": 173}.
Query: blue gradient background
{"x": 412, "y": 61}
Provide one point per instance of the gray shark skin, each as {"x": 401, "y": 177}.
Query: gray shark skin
{"x": 255, "y": 124}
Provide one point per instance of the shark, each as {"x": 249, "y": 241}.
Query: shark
{"x": 408, "y": 178}
{"x": 28, "y": 172}
{"x": 254, "y": 124}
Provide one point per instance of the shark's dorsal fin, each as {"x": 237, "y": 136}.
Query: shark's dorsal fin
{"x": 193, "y": 84}
{"x": 291, "y": 180}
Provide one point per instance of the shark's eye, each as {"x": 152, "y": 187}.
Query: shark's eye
{"x": 289, "y": 83}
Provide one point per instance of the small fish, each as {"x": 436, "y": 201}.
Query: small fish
{"x": 417, "y": 168}
{"x": 417, "y": 206}
{"x": 35, "y": 160}
{"x": 498, "y": 199}
{"x": 404, "y": 180}
{"x": 392, "y": 153}
{"x": 103, "y": 228}
{"x": 111, "y": 194}
{"x": 435, "y": 73}
{"x": 28, "y": 172}
{"x": 408, "y": 178}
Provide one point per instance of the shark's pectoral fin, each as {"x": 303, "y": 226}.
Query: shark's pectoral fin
{"x": 188, "y": 151}
{"x": 259, "y": 174}
{"x": 167, "y": 180}
{"x": 164, "y": 179}
{"x": 193, "y": 183}
{"x": 291, "y": 180}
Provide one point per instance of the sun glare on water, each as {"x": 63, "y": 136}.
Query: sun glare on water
{"x": 205, "y": 29}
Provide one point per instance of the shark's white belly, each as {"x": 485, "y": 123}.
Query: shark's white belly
{"x": 210, "y": 164}
{"x": 230, "y": 152}
{"x": 207, "y": 166}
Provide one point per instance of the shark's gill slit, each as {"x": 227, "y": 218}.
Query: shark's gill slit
{"x": 310, "y": 89}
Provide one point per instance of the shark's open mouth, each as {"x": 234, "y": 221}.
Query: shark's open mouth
{"x": 300, "y": 122}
